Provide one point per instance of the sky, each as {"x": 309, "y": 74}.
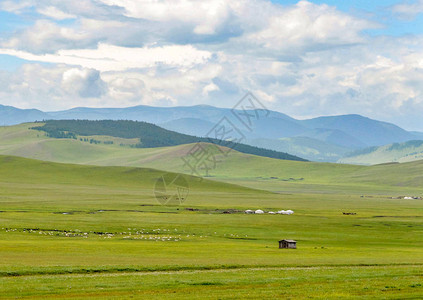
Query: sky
{"x": 302, "y": 58}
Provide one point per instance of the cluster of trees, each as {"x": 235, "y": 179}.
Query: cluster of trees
{"x": 61, "y": 135}
{"x": 94, "y": 141}
{"x": 149, "y": 135}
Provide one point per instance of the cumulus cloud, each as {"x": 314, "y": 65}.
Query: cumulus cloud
{"x": 52, "y": 87}
{"x": 206, "y": 16}
{"x": 244, "y": 25}
{"x": 46, "y": 36}
{"x": 408, "y": 10}
{"x": 86, "y": 83}
{"x": 307, "y": 27}
{"x": 304, "y": 59}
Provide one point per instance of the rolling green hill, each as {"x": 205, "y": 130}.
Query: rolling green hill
{"x": 95, "y": 227}
{"x": 149, "y": 135}
{"x": 397, "y": 152}
{"x": 244, "y": 169}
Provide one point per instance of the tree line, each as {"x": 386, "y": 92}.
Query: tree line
{"x": 149, "y": 135}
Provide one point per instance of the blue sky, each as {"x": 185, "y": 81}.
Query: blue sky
{"x": 303, "y": 58}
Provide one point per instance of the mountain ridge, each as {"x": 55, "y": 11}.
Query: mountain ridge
{"x": 341, "y": 134}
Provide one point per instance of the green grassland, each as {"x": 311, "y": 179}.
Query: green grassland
{"x": 76, "y": 231}
{"x": 376, "y": 282}
{"x": 94, "y": 228}
{"x": 243, "y": 169}
{"x": 148, "y": 135}
{"x": 397, "y": 152}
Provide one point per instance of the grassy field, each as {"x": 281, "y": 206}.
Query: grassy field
{"x": 397, "y": 152}
{"x": 243, "y": 169}
{"x": 357, "y": 282}
{"x": 75, "y": 231}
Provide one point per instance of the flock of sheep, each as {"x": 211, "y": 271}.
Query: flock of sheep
{"x": 259, "y": 211}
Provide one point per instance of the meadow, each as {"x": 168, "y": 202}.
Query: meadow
{"x": 76, "y": 230}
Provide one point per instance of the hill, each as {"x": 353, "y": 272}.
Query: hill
{"x": 397, "y": 152}
{"x": 346, "y": 131}
{"x": 149, "y": 135}
{"x": 238, "y": 168}
{"x": 20, "y": 140}
{"x": 303, "y": 146}
{"x": 364, "y": 131}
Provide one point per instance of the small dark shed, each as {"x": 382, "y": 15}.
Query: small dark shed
{"x": 287, "y": 244}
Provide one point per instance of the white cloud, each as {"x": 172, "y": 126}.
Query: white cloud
{"x": 209, "y": 88}
{"x": 304, "y": 27}
{"x": 124, "y": 88}
{"x": 206, "y": 15}
{"x": 85, "y": 83}
{"x": 408, "y": 10}
{"x": 303, "y": 59}
{"x": 15, "y": 6}
{"x": 34, "y": 85}
{"x": 55, "y": 13}
{"x": 47, "y": 37}
{"x": 114, "y": 58}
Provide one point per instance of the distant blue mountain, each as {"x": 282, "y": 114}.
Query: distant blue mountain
{"x": 335, "y": 137}
{"x": 310, "y": 149}
{"x": 368, "y": 131}
{"x": 190, "y": 126}
{"x": 155, "y": 115}
{"x": 323, "y": 138}
{"x": 10, "y": 115}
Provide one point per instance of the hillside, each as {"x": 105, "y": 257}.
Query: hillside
{"x": 149, "y": 135}
{"x": 397, "y": 152}
{"x": 303, "y": 146}
{"x": 20, "y": 140}
{"x": 351, "y": 132}
{"x": 239, "y": 168}
{"x": 22, "y": 170}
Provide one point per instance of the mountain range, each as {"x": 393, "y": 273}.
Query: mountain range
{"x": 328, "y": 138}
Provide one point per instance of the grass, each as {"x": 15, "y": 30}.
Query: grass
{"x": 79, "y": 231}
{"x": 105, "y": 222}
{"x": 397, "y": 152}
{"x": 243, "y": 169}
{"x": 398, "y": 282}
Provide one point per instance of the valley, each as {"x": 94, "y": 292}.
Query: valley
{"x": 88, "y": 211}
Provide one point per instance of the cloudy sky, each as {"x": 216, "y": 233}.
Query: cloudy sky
{"x": 303, "y": 58}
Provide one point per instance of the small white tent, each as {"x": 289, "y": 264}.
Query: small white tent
{"x": 285, "y": 212}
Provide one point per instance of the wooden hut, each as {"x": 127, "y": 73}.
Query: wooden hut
{"x": 287, "y": 244}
